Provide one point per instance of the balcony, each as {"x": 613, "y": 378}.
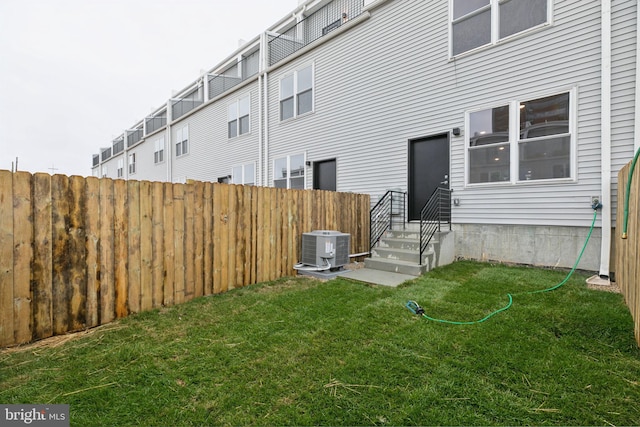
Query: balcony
{"x": 105, "y": 154}
{"x": 181, "y": 106}
{"x": 118, "y": 145}
{"x": 134, "y": 136}
{"x": 313, "y": 27}
{"x": 96, "y": 159}
{"x": 234, "y": 74}
{"x": 156, "y": 122}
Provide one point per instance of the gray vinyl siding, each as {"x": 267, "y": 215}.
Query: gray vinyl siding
{"x": 212, "y": 153}
{"x": 389, "y": 79}
{"x": 624, "y": 56}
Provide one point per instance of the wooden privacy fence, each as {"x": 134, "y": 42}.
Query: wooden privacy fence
{"x": 80, "y": 252}
{"x": 628, "y": 250}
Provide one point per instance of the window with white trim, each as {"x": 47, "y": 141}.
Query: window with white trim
{"x": 132, "y": 163}
{"x": 105, "y": 171}
{"x": 182, "y": 141}
{"x": 288, "y": 172}
{"x": 158, "y": 150}
{"x": 244, "y": 174}
{"x": 120, "y": 170}
{"x": 238, "y": 117}
{"x": 296, "y": 93}
{"x": 476, "y": 23}
{"x": 522, "y": 141}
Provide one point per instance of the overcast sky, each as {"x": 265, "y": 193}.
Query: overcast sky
{"x": 75, "y": 73}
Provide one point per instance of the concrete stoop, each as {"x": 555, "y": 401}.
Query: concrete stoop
{"x": 398, "y": 252}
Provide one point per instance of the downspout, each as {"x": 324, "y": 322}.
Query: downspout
{"x": 169, "y": 146}
{"x": 261, "y": 115}
{"x": 636, "y": 136}
{"x": 605, "y": 119}
{"x": 266, "y": 130}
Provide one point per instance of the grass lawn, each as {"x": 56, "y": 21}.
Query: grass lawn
{"x": 304, "y": 352}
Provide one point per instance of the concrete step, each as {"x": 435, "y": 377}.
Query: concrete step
{"x": 396, "y": 266}
{"x": 402, "y": 234}
{"x": 410, "y": 255}
{"x": 411, "y": 244}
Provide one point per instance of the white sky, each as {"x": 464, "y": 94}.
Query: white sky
{"x": 75, "y": 73}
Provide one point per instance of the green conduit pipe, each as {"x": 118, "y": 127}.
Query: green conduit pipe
{"x": 416, "y": 309}
{"x": 626, "y": 198}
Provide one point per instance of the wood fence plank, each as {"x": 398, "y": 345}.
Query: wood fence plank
{"x": 246, "y": 236}
{"x": 223, "y": 230}
{"x": 6, "y": 259}
{"x": 260, "y": 233}
{"x": 217, "y": 246}
{"x": 107, "y": 283}
{"x": 254, "y": 209}
{"x": 157, "y": 220}
{"x": 62, "y": 291}
{"x": 146, "y": 246}
{"x": 198, "y": 230}
{"x": 134, "y": 240}
{"x": 273, "y": 261}
{"x": 233, "y": 237}
{"x": 77, "y": 254}
{"x": 179, "y": 240}
{"x": 237, "y": 228}
{"x": 42, "y": 265}
{"x": 208, "y": 239}
{"x": 92, "y": 248}
{"x": 169, "y": 245}
{"x": 22, "y": 255}
{"x": 121, "y": 239}
{"x": 190, "y": 242}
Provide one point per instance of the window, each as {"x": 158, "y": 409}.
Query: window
{"x": 537, "y": 131}
{"x": 296, "y": 93}
{"x": 105, "y": 171}
{"x": 288, "y": 172}
{"x": 132, "y": 163}
{"x": 244, "y": 174}
{"x": 238, "y": 117}
{"x": 158, "y": 152}
{"x": 182, "y": 141}
{"x": 120, "y": 170}
{"x": 476, "y": 23}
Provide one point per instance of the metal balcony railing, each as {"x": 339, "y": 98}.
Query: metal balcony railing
{"x": 318, "y": 24}
{"x": 234, "y": 74}
{"x": 96, "y": 159}
{"x": 181, "y": 106}
{"x": 156, "y": 122}
{"x": 105, "y": 154}
{"x": 118, "y": 145}
{"x": 134, "y": 137}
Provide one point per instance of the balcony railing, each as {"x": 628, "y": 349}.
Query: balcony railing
{"x": 118, "y": 145}
{"x": 318, "y": 24}
{"x": 96, "y": 159}
{"x": 234, "y": 74}
{"x": 156, "y": 122}
{"x": 105, "y": 154}
{"x": 134, "y": 137}
{"x": 182, "y": 106}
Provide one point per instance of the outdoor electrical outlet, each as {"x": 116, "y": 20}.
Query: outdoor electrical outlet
{"x": 595, "y": 200}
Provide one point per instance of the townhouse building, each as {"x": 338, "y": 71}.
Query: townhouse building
{"x": 524, "y": 109}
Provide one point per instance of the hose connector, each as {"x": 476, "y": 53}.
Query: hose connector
{"x": 624, "y": 235}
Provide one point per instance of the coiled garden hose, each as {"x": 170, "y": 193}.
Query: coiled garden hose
{"x": 413, "y": 306}
{"x": 626, "y": 195}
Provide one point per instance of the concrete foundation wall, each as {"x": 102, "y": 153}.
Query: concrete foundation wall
{"x": 523, "y": 244}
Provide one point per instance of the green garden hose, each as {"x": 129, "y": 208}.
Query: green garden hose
{"x": 626, "y": 198}
{"x": 416, "y": 309}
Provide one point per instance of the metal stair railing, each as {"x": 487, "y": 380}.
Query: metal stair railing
{"x": 435, "y": 213}
{"x": 381, "y": 218}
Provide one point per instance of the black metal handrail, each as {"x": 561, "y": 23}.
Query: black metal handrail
{"x": 434, "y": 213}
{"x": 381, "y": 217}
